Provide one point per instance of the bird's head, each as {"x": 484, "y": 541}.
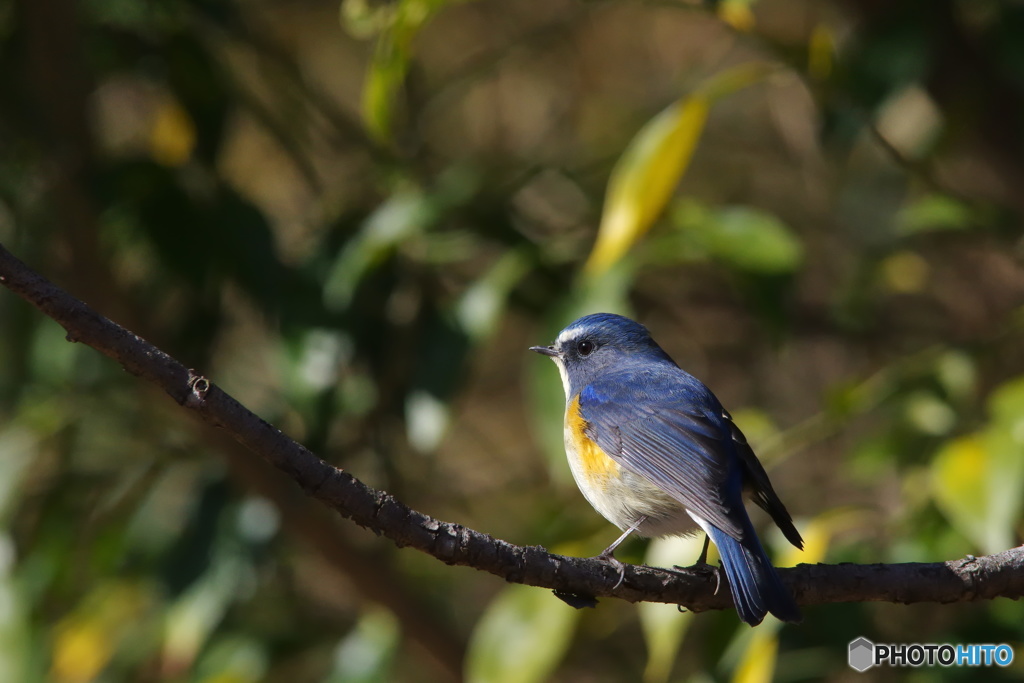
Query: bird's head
{"x": 597, "y": 343}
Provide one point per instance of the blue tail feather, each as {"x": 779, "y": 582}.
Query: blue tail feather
{"x": 755, "y": 585}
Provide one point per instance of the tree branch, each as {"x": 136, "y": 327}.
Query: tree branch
{"x": 1000, "y": 575}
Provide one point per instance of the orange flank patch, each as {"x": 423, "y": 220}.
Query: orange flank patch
{"x": 593, "y": 463}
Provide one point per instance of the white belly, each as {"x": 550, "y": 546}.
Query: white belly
{"x": 622, "y": 497}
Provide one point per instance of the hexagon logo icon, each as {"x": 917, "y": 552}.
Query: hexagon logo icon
{"x": 862, "y": 654}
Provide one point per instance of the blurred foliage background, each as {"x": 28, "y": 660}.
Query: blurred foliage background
{"x": 356, "y": 217}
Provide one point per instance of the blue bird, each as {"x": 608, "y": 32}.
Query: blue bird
{"x": 653, "y": 450}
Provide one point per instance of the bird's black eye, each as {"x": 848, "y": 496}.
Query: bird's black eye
{"x": 585, "y": 347}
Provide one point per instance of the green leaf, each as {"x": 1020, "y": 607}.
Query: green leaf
{"x": 366, "y": 654}
{"x": 957, "y": 374}
{"x": 16, "y": 642}
{"x": 934, "y": 212}
{"x": 743, "y": 238}
{"x": 383, "y": 83}
{"x": 363, "y": 20}
{"x": 398, "y": 27}
{"x": 405, "y": 214}
{"x": 192, "y": 619}
{"x": 929, "y": 414}
{"x": 1005, "y": 439}
{"x": 20, "y": 448}
{"x": 234, "y": 659}
{"x": 481, "y": 306}
{"x": 521, "y": 638}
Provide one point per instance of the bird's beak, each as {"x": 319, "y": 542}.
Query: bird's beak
{"x": 545, "y": 351}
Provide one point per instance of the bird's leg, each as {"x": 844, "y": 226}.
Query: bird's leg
{"x": 610, "y": 550}
{"x": 702, "y": 565}
{"x": 702, "y": 562}
{"x": 703, "y": 559}
{"x": 608, "y": 554}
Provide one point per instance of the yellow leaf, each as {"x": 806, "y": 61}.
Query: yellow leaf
{"x": 817, "y": 535}
{"x": 959, "y": 483}
{"x": 760, "y": 647}
{"x": 905, "y": 272}
{"x": 81, "y": 649}
{"x": 663, "y": 625}
{"x": 758, "y": 663}
{"x": 977, "y": 480}
{"x": 173, "y": 135}
{"x": 645, "y": 177}
{"x": 85, "y": 640}
{"x": 227, "y": 677}
{"x": 820, "y": 50}
{"x": 737, "y": 13}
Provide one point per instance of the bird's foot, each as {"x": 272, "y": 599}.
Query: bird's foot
{"x": 608, "y": 554}
{"x": 704, "y": 568}
{"x": 701, "y": 565}
{"x": 615, "y": 562}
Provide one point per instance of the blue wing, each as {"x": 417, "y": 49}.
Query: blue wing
{"x": 757, "y": 483}
{"x": 669, "y": 428}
